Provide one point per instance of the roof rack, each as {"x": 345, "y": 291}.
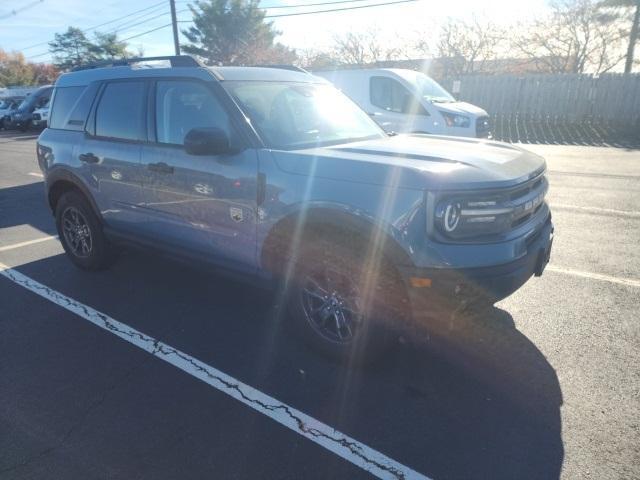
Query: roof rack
{"x": 293, "y": 68}
{"x": 175, "y": 60}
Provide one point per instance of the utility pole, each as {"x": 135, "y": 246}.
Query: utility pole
{"x": 174, "y": 22}
{"x": 633, "y": 38}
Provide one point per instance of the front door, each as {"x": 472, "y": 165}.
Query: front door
{"x": 203, "y": 203}
{"x": 395, "y": 107}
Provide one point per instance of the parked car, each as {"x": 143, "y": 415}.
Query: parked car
{"x": 406, "y": 101}
{"x": 22, "y": 117}
{"x": 40, "y": 116}
{"x": 275, "y": 175}
{"x": 7, "y": 106}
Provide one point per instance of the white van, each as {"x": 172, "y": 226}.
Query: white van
{"x": 406, "y": 101}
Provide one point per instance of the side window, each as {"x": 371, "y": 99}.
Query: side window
{"x": 389, "y": 94}
{"x": 182, "y": 105}
{"x": 120, "y": 111}
{"x": 63, "y": 102}
{"x": 380, "y": 92}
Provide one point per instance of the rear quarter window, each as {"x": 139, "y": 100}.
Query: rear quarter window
{"x": 65, "y": 103}
{"x": 121, "y": 111}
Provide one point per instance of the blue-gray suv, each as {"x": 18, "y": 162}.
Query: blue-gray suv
{"x": 274, "y": 175}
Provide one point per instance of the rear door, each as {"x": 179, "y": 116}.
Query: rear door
{"x": 202, "y": 204}
{"x": 110, "y": 152}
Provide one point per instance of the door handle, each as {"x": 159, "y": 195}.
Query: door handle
{"x": 160, "y": 167}
{"x": 88, "y": 158}
{"x": 374, "y": 114}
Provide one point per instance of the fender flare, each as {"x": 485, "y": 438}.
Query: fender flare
{"x": 61, "y": 178}
{"x": 274, "y": 248}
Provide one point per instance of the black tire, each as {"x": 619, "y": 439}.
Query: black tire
{"x": 81, "y": 235}
{"x": 369, "y": 320}
{"x": 26, "y": 126}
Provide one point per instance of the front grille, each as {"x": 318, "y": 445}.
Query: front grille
{"x": 483, "y": 127}
{"x": 490, "y": 215}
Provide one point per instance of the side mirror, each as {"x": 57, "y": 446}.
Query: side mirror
{"x": 206, "y": 141}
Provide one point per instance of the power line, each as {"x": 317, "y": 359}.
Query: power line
{"x": 154, "y": 6}
{"x": 311, "y": 4}
{"x": 21, "y": 9}
{"x": 266, "y": 16}
{"x": 329, "y": 10}
{"x": 128, "y": 25}
{"x": 119, "y": 28}
{"x": 281, "y": 15}
{"x": 127, "y": 15}
{"x": 144, "y": 33}
{"x": 340, "y": 9}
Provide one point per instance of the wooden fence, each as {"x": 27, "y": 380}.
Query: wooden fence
{"x": 609, "y": 98}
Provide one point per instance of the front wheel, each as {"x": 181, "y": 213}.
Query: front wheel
{"x": 337, "y": 302}
{"x": 81, "y": 235}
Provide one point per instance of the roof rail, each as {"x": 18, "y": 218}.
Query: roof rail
{"x": 293, "y": 68}
{"x": 175, "y": 60}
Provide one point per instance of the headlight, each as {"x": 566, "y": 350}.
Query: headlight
{"x": 455, "y": 120}
{"x": 448, "y": 214}
{"x": 463, "y": 217}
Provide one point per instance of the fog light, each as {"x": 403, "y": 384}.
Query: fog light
{"x": 418, "y": 282}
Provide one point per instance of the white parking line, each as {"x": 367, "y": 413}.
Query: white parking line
{"x": 327, "y": 437}
{"x": 36, "y": 174}
{"x": 632, "y": 282}
{"x": 607, "y": 211}
{"x": 27, "y": 243}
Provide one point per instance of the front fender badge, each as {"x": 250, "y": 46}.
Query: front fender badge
{"x": 236, "y": 214}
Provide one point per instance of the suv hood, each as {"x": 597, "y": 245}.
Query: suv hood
{"x": 418, "y": 161}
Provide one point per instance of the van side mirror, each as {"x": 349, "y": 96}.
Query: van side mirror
{"x": 206, "y": 141}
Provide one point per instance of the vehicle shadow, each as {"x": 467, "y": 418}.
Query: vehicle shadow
{"x": 481, "y": 403}
{"x": 26, "y": 204}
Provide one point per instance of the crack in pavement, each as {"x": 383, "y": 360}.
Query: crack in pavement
{"x": 320, "y": 433}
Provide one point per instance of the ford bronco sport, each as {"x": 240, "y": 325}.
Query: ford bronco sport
{"x": 273, "y": 174}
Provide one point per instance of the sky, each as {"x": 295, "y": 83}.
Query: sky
{"x": 31, "y": 27}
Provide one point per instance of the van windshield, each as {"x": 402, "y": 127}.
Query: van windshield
{"x": 431, "y": 90}
{"x": 297, "y": 115}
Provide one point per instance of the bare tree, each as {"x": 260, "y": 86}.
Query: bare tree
{"x": 466, "y": 46}
{"x": 360, "y": 48}
{"x": 574, "y": 38}
{"x": 316, "y": 59}
{"x": 625, "y": 11}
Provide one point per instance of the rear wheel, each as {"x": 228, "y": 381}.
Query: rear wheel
{"x": 338, "y": 302}
{"x": 81, "y": 233}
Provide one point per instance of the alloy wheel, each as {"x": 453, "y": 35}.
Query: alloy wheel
{"x": 331, "y": 305}
{"x": 77, "y": 232}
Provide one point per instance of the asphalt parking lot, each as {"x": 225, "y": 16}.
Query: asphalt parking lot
{"x": 545, "y": 385}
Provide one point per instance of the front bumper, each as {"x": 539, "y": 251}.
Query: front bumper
{"x": 17, "y": 122}
{"x": 433, "y": 289}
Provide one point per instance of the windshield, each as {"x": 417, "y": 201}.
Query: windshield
{"x": 298, "y": 115}
{"x": 431, "y": 90}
